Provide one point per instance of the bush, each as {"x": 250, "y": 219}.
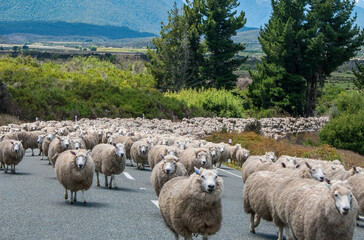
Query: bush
{"x": 221, "y": 103}
{"x": 346, "y": 128}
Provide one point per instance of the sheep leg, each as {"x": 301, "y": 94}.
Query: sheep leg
{"x": 65, "y": 194}
{"x": 83, "y": 196}
{"x": 71, "y": 197}
{"x": 12, "y": 167}
{"x": 288, "y": 233}
{"x": 131, "y": 162}
{"x": 252, "y": 230}
{"x": 75, "y": 198}
{"x": 106, "y": 183}
{"x": 40, "y": 152}
{"x": 97, "y": 179}
{"x": 32, "y": 152}
{"x": 205, "y": 237}
{"x": 256, "y": 220}
{"x": 280, "y": 233}
{"x": 6, "y": 168}
{"x": 113, "y": 177}
{"x": 176, "y": 235}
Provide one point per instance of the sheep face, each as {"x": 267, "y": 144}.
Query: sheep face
{"x": 208, "y": 179}
{"x": 246, "y": 154}
{"x": 110, "y": 140}
{"x": 120, "y": 149}
{"x": 169, "y": 165}
{"x": 342, "y": 196}
{"x": 222, "y": 149}
{"x": 213, "y": 151}
{"x": 270, "y": 156}
{"x": 50, "y": 136}
{"x": 65, "y": 142}
{"x": 80, "y": 159}
{"x": 143, "y": 149}
{"x": 77, "y": 144}
{"x": 172, "y": 152}
{"x": 317, "y": 172}
{"x": 16, "y": 146}
{"x": 181, "y": 145}
{"x": 202, "y": 157}
{"x": 40, "y": 138}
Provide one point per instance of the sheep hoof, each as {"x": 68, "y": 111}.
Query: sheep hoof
{"x": 252, "y": 231}
{"x": 109, "y": 187}
{"x": 71, "y": 202}
{"x": 98, "y": 184}
{"x": 84, "y": 202}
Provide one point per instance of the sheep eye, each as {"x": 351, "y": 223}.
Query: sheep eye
{"x": 215, "y": 177}
{"x": 313, "y": 170}
{"x": 203, "y": 177}
{"x": 336, "y": 195}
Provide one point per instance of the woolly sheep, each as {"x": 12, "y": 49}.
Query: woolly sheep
{"x": 192, "y": 205}
{"x": 357, "y": 184}
{"x": 342, "y": 174}
{"x": 317, "y": 211}
{"x": 232, "y": 151}
{"x": 155, "y": 154}
{"x": 224, "y": 153}
{"x": 241, "y": 155}
{"x": 11, "y": 153}
{"x": 139, "y": 153}
{"x": 57, "y": 146}
{"x": 215, "y": 154}
{"x": 91, "y": 139}
{"x": 40, "y": 141}
{"x": 110, "y": 161}
{"x": 45, "y": 145}
{"x": 257, "y": 163}
{"x": 305, "y": 170}
{"x": 195, "y": 157}
{"x": 29, "y": 140}
{"x": 128, "y": 143}
{"x": 75, "y": 170}
{"x": 165, "y": 170}
{"x": 77, "y": 143}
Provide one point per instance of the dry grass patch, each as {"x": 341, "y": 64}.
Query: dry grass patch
{"x": 6, "y": 119}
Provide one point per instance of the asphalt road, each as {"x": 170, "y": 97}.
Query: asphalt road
{"x": 32, "y": 206}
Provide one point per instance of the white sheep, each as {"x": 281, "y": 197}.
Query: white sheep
{"x": 11, "y": 153}
{"x": 257, "y": 163}
{"x": 29, "y": 139}
{"x": 139, "y": 153}
{"x": 192, "y": 205}
{"x": 57, "y": 146}
{"x": 165, "y": 170}
{"x": 128, "y": 143}
{"x": 155, "y": 154}
{"x": 242, "y": 154}
{"x": 195, "y": 157}
{"x": 110, "y": 161}
{"x": 75, "y": 170}
{"x": 45, "y": 144}
{"x": 357, "y": 184}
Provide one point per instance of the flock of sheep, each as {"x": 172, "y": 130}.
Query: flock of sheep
{"x": 294, "y": 193}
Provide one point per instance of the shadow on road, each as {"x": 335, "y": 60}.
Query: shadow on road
{"x": 80, "y": 204}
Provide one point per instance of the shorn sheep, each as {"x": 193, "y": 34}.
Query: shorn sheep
{"x": 11, "y": 153}
{"x": 168, "y": 168}
{"x": 192, "y": 205}
{"x": 75, "y": 170}
{"x": 110, "y": 161}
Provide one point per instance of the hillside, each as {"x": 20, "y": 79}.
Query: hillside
{"x": 139, "y": 15}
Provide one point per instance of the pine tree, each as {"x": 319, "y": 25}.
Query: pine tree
{"x": 219, "y": 25}
{"x": 308, "y": 39}
{"x": 359, "y": 76}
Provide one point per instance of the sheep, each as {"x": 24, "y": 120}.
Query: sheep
{"x": 77, "y": 143}
{"x": 305, "y": 170}
{"x": 195, "y": 157}
{"x": 214, "y": 152}
{"x": 91, "y": 139}
{"x": 106, "y": 136}
{"x": 319, "y": 210}
{"x": 45, "y": 145}
{"x": 232, "y": 151}
{"x": 254, "y": 163}
{"x": 156, "y": 152}
{"x": 29, "y": 140}
{"x": 356, "y": 182}
{"x": 241, "y": 155}
{"x": 128, "y": 143}
{"x": 11, "y": 153}
{"x": 40, "y": 141}
{"x": 109, "y": 160}
{"x": 192, "y": 205}
{"x": 341, "y": 174}
{"x": 139, "y": 153}
{"x": 75, "y": 171}
{"x": 257, "y": 195}
{"x": 165, "y": 170}
{"x": 57, "y": 146}
{"x": 224, "y": 153}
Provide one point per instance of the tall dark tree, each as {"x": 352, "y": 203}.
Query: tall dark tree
{"x": 219, "y": 25}
{"x": 173, "y": 63}
{"x": 309, "y": 39}
{"x": 359, "y": 76}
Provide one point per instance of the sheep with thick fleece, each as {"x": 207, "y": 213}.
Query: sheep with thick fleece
{"x": 342, "y": 174}
{"x": 215, "y": 154}
{"x": 75, "y": 171}
{"x": 192, "y": 205}
{"x": 155, "y": 154}
{"x": 257, "y": 195}
{"x": 45, "y": 144}
{"x": 11, "y": 153}
{"x": 29, "y": 139}
{"x": 319, "y": 211}
{"x": 40, "y": 141}
{"x": 109, "y": 160}
{"x": 305, "y": 170}
{"x": 224, "y": 153}
{"x": 77, "y": 143}
{"x": 357, "y": 184}
{"x": 128, "y": 143}
{"x": 242, "y": 154}
{"x": 232, "y": 151}
{"x": 195, "y": 157}
{"x": 165, "y": 170}
{"x": 255, "y": 163}
{"x": 139, "y": 152}
{"x": 57, "y": 146}
{"x": 91, "y": 139}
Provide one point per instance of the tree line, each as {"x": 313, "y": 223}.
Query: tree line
{"x": 304, "y": 42}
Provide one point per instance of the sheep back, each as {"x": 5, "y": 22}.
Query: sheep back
{"x": 106, "y": 160}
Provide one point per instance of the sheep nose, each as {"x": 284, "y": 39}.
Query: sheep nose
{"x": 66, "y": 145}
{"x": 346, "y": 211}
{"x": 122, "y": 154}
{"x": 321, "y": 179}
{"x": 80, "y": 165}
{"x": 168, "y": 171}
{"x": 203, "y": 162}
{"x": 211, "y": 188}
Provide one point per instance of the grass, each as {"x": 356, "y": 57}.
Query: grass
{"x": 305, "y": 145}
{"x": 6, "y": 119}
{"x": 127, "y": 50}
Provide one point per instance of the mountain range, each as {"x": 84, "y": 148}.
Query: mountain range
{"x": 133, "y": 16}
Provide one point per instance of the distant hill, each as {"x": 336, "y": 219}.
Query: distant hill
{"x": 69, "y": 29}
{"x": 139, "y": 15}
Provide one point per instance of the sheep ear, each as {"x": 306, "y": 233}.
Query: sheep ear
{"x": 12, "y": 142}
{"x": 114, "y": 144}
{"x": 284, "y": 165}
{"x": 58, "y": 137}
{"x": 197, "y": 171}
{"x": 177, "y": 160}
{"x": 88, "y": 152}
{"x": 308, "y": 165}
{"x": 162, "y": 156}
{"x": 298, "y": 165}
{"x": 261, "y": 159}
{"x": 124, "y": 143}
{"x": 73, "y": 153}
{"x": 355, "y": 170}
{"x": 328, "y": 181}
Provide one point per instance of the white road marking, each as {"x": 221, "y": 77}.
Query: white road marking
{"x": 155, "y": 202}
{"x": 127, "y": 175}
{"x": 361, "y": 218}
{"x": 142, "y": 188}
{"x": 236, "y": 175}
